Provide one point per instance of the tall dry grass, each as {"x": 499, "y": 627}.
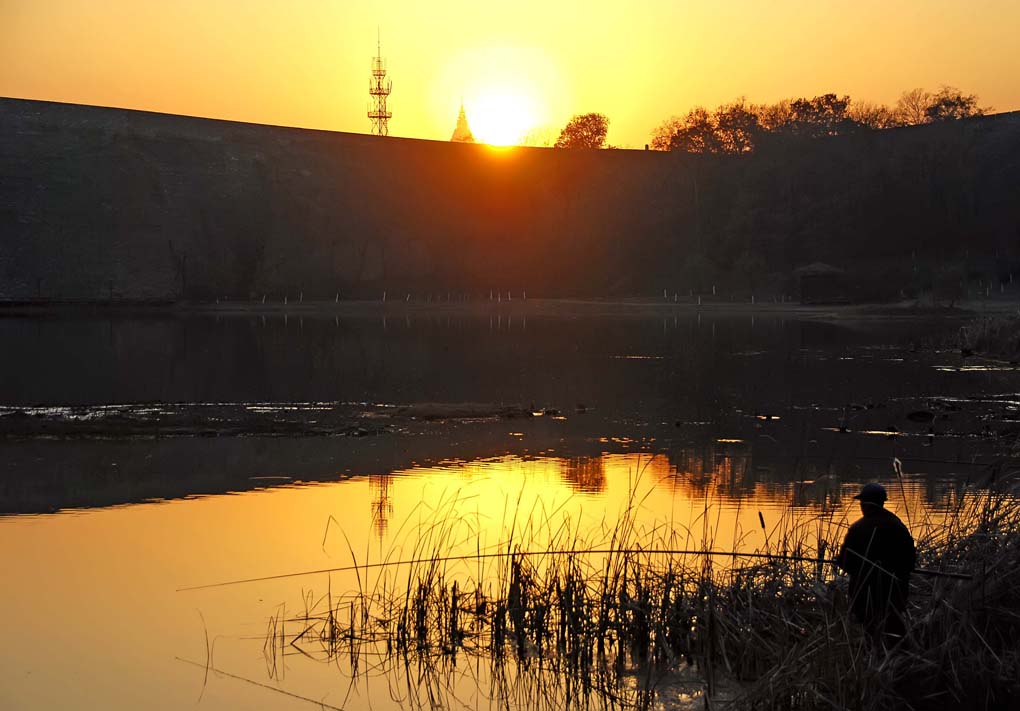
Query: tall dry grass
{"x": 601, "y": 623}
{"x": 996, "y": 336}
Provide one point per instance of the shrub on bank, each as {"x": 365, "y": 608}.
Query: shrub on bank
{"x": 994, "y": 336}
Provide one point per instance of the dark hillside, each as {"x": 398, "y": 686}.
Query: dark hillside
{"x": 101, "y": 204}
{"x": 900, "y": 204}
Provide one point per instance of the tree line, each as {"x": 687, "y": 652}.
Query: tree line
{"x": 739, "y": 127}
{"x": 902, "y": 214}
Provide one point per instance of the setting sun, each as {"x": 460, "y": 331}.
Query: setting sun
{"x": 501, "y": 118}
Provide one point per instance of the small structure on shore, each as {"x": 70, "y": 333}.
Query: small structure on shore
{"x": 821, "y": 283}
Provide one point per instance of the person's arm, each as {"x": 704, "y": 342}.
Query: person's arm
{"x": 910, "y": 557}
{"x": 841, "y": 558}
{"x": 848, "y": 560}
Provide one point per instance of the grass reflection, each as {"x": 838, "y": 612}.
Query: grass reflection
{"x": 526, "y": 598}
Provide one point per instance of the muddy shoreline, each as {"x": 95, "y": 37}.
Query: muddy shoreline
{"x": 255, "y": 419}
{"x": 515, "y": 305}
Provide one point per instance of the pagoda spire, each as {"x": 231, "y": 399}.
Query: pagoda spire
{"x": 462, "y": 134}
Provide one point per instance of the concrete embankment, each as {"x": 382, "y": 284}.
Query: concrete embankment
{"x": 103, "y": 205}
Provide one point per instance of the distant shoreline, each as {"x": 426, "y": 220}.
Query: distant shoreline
{"x": 524, "y": 307}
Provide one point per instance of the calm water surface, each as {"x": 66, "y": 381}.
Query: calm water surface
{"x": 696, "y": 423}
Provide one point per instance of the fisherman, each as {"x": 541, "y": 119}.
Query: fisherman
{"x": 878, "y": 554}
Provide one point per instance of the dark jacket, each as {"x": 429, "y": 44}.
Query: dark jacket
{"x": 878, "y": 554}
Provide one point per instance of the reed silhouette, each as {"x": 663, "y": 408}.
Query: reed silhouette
{"x": 562, "y": 619}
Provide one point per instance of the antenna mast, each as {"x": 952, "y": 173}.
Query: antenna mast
{"x": 379, "y": 87}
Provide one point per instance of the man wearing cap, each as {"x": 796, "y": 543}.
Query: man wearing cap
{"x": 878, "y": 554}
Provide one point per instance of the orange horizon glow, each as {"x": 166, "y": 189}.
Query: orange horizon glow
{"x": 520, "y": 70}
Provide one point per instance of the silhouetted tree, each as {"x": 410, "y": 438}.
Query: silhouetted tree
{"x": 772, "y": 117}
{"x": 824, "y": 115}
{"x": 732, "y": 128}
{"x": 911, "y": 107}
{"x": 697, "y": 133}
{"x": 737, "y": 127}
{"x": 539, "y": 137}
{"x": 584, "y": 131}
{"x": 874, "y": 116}
{"x": 949, "y": 104}
{"x": 662, "y": 137}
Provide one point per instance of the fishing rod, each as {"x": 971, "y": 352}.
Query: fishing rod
{"x": 512, "y": 554}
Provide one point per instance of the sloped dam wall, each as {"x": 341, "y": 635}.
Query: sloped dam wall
{"x": 100, "y": 204}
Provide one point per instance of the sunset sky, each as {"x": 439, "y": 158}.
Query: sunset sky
{"x": 518, "y": 65}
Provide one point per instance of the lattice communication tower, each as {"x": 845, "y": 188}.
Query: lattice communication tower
{"x": 379, "y": 87}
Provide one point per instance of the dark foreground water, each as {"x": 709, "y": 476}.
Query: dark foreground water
{"x": 705, "y": 420}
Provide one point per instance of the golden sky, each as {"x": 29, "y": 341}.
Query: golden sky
{"x": 522, "y": 63}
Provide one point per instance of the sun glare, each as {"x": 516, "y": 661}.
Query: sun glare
{"x": 501, "y": 118}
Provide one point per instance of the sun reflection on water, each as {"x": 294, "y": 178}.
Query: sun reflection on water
{"x": 125, "y": 563}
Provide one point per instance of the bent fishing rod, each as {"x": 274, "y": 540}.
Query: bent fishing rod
{"x": 525, "y": 554}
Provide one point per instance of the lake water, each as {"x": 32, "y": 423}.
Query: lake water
{"x": 696, "y": 423}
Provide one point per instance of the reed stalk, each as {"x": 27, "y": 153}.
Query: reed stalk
{"x": 576, "y": 623}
